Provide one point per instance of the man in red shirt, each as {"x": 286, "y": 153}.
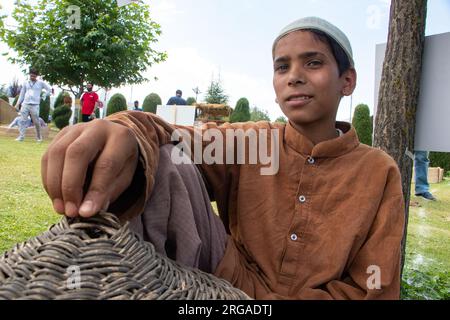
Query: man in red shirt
{"x": 89, "y": 101}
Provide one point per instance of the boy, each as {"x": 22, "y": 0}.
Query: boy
{"x": 327, "y": 225}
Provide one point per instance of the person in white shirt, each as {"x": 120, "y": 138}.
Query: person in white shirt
{"x": 30, "y": 97}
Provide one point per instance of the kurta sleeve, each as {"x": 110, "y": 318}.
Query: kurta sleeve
{"x": 374, "y": 273}
{"x": 152, "y": 132}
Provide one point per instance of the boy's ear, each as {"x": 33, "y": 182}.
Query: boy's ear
{"x": 349, "y": 78}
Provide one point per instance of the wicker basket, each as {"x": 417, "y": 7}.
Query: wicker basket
{"x": 98, "y": 258}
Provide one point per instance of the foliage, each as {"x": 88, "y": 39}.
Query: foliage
{"x": 440, "y": 159}
{"x": 281, "y": 119}
{"x": 15, "y": 101}
{"x": 117, "y": 103}
{"x": 104, "y": 44}
{"x": 257, "y": 114}
{"x": 4, "y": 97}
{"x": 190, "y": 101}
{"x": 216, "y": 94}
{"x": 14, "y": 88}
{"x": 61, "y": 116}
{"x": 362, "y": 124}
{"x": 425, "y": 285}
{"x": 242, "y": 111}
{"x": 151, "y": 102}
{"x": 59, "y": 101}
{"x": 44, "y": 108}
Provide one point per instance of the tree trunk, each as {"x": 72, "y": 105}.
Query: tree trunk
{"x": 399, "y": 90}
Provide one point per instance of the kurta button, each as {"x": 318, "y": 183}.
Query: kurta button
{"x": 311, "y": 160}
{"x": 294, "y": 237}
{"x": 302, "y": 199}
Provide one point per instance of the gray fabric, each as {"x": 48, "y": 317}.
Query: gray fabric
{"x": 178, "y": 219}
{"x": 316, "y": 23}
{"x": 32, "y": 111}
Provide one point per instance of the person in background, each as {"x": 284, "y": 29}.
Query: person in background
{"x": 136, "y": 106}
{"x": 29, "y": 99}
{"x": 421, "y": 164}
{"x": 177, "y": 100}
{"x": 89, "y": 101}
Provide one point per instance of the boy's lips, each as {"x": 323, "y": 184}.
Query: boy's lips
{"x": 298, "y": 100}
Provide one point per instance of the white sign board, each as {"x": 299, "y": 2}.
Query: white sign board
{"x": 179, "y": 115}
{"x": 433, "y": 111}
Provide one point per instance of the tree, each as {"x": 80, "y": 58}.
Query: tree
{"x": 117, "y": 103}
{"x": 281, "y": 119}
{"x": 190, "y": 101}
{"x": 151, "y": 102}
{"x": 44, "y": 108}
{"x": 259, "y": 115}
{"x": 242, "y": 111}
{"x": 362, "y": 124}
{"x": 63, "y": 110}
{"x": 72, "y": 42}
{"x": 399, "y": 90}
{"x": 216, "y": 94}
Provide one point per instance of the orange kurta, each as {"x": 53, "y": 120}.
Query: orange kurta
{"x": 328, "y": 225}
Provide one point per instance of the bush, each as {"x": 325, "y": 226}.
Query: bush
{"x": 259, "y": 115}
{"x": 440, "y": 159}
{"x": 151, "y": 102}
{"x": 15, "y": 101}
{"x": 281, "y": 120}
{"x": 190, "y": 101}
{"x": 61, "y": 116}
{"x": 242, "y": 111}
{"x": 4, "y": 97}
{"x": 425, "y": 285}
{"x": 362, "y": 124}
{"x": 59, "y": 101}
{"x": 117, "y": 103}
{"x": 44, "y": 109}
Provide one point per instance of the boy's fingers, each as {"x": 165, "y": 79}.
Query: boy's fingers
{"x": 94, "y": 201}
{"x": 79, "y": 155}
{"x": 112, "y": 173}
{"x": 53, "y": 170}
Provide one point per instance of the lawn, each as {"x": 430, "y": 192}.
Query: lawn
{"x": 25, "y": 211}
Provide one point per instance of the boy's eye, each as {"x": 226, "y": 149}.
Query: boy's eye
{"x": 314, "y": 63}
{"x": 281, "y": 67}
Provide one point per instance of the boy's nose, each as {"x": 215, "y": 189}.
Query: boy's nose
{"x": 296, "y": 78}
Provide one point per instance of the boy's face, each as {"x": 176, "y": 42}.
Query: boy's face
{"x": 306, "y": 79}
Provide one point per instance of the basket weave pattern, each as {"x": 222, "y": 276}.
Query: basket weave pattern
{"x": 110, "y": 261}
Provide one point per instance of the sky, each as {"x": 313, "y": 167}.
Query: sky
{"x": 232, "y": 40}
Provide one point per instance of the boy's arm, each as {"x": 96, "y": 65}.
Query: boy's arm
{"x": 374, "y": 273}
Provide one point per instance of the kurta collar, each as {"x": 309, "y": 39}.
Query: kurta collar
{"x": 327, "y": 149}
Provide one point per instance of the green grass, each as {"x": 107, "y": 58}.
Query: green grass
{"x": 26, "y": 211}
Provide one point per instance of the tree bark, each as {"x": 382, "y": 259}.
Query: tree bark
{"x": 399, "y": 90}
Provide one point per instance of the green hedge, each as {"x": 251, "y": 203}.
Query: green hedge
{"x": 242, "y": 111}
{"x": 151, "y": 102}
{"x": 440, "y": 159}
{"x": 363, "y": 124}
{"x": 44, "y": 109}
{"x": 4, "y": 97}
{"x": 117, "y": 103}
{"x": 190, "y": 101}
{"x": 61, "y": 116}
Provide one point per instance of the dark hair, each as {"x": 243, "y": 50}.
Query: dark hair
{"x": 34, "y": 71}
{"x": 179, "y": 92}
{"x": 339, "y": 54}
{"x": 90, "y": 83}
{"x": 136, "y": 101}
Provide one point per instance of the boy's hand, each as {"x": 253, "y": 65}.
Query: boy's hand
{"x": 112, "y": 151}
